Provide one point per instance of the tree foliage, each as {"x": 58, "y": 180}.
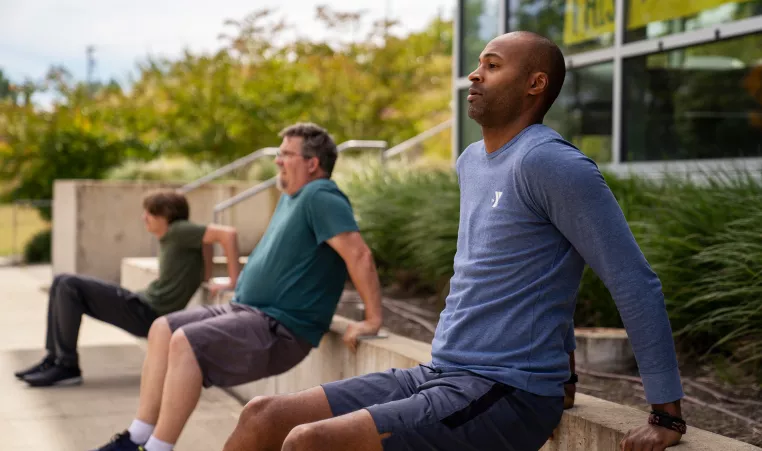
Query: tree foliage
{"x": 214, "y": 107}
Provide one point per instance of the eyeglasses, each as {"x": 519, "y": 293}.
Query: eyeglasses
{"x": 289, "y": 154}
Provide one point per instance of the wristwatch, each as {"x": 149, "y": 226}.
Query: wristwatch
{"x": 668, "y": 421}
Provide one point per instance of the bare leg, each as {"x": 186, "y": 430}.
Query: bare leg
{"x": 266, "y": 421}
{"x": 182, "y": 389}
{"x": 154, "y": 370}
{"x": 355, "y": 431}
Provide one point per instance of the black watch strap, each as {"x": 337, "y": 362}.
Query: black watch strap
{"x": 666, "y": 420}
{"x": 572, "y": 380}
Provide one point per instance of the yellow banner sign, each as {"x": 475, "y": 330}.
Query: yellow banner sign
{"x": 590, "y": 19}
{"x": 643, "y": 12}
{"x": 587, "y": 19}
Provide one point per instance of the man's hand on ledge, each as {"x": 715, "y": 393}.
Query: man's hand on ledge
{"x": 649, "y": 437}
{"x": 652, "y": 437}
{"x": 219, "y": 285}
{"x": 358, "y": 329}
{"x": 569, "y": 391}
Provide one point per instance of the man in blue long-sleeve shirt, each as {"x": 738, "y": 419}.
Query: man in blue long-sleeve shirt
{"x": 533, "y": 211}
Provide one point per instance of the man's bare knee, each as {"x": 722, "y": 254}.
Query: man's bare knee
{"x": 159, "y": 330}
{"x": 254, "y": 429}
{"x": 179, "y": 346}
{"x": 304, "y": 436}
{"x": 255, "y": 412}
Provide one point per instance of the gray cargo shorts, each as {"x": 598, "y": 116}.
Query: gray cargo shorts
{"x": 425, "y": 408}
{"x": 235, "y": 343}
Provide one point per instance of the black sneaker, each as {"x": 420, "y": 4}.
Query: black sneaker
{"x": 46, "y": 363}
{"x": 120, "y": 442}
{"x": 55, "y": 375}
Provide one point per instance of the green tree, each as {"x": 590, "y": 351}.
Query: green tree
{"x": 5, "y": 87}
{"x": 214, "y": 107}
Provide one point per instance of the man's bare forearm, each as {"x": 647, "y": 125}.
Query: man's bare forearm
{"x": 365, "y": 279}
{"x": 208, "y": 251}
{"x": 230, "y": 247}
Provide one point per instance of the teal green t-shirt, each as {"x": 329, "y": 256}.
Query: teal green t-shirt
{"x": 292, "y": 274}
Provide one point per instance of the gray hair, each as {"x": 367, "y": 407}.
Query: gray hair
{"x": 316, "y": 143}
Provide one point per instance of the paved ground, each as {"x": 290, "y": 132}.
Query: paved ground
{"x": 80, "y": 418}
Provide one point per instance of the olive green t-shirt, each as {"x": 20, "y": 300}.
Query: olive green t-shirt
{"x": 293, "y": 275}
{"x": 181, "y": 267}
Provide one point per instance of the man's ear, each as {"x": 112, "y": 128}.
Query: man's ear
{"x": 314, "y": 164}
{"x": 538, "y": 83}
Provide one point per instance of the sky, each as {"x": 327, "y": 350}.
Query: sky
{"x": 35, "y": 34}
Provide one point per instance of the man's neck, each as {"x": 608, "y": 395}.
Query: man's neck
{"x": 497, "y": 137}
{"x": 160, "y": 234}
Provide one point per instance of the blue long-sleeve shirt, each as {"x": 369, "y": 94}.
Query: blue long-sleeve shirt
{"x": 531, "y": 214}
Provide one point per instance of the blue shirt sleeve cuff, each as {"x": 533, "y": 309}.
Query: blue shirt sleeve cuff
{"x": 664, "y": 387}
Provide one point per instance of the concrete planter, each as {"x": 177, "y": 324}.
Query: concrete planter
{"x": 603, "y": 349}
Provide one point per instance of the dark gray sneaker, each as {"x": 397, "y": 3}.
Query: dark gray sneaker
{"x": 120, "y": 442}
{"x": 55, "y": 375}
{"x": 46, "y": 363}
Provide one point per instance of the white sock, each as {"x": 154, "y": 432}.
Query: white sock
{"x": 154, "y": 444}
{"x": 140, "y": 431}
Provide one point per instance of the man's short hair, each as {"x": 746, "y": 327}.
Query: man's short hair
{"x": 168, "y": 204}
{"x": 545, "y": 56}
{"x": 316, "y": 143}
{"x": 548, "y": 58}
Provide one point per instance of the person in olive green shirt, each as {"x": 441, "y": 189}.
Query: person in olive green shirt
{"x": 284, "y": 300}
{"x": 185, "y": 253}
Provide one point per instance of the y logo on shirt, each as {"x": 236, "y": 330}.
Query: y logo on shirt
{"x": 496, "y": 199}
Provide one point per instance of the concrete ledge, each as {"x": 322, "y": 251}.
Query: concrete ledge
{"x": 591, "y": 425}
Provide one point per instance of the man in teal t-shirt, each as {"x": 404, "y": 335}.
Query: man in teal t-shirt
{"x": 284, "y": 300}
{"x": 293, "y": 275}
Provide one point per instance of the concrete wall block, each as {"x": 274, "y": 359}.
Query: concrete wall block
{"x": 98, "y": 223}
{"x": 64, "y": 245}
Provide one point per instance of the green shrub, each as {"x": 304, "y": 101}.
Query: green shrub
{"x": 409, "y": 217}
{"x": 262, "y": 169}
{"x": 176, "y": 169}
{"x": 695, "y": 240}
{"x": 38, "y": 248}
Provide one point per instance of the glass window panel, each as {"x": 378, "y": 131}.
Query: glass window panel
{"x": 582, "y": 112}
{"x": 647, "y": 19}
{"x": 694, "y": 103}
{"x": 480, "y": 22}
{"x": 469, "y": 130}
{"x": 574, "y": 25}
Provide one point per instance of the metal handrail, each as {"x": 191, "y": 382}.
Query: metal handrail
{"x": 269, "y": 151}
{"x": 360, "y": 144}
{"x": 243, "y": 195}
{"x": 256, "y": 189}
{"x": 241, "y": 162}
{"x": 415, "y": 140}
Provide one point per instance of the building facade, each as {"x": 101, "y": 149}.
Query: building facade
{"x": 650, "y": 85}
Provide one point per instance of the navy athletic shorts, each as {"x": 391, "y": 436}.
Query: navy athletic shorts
{"x": 425, "y": 408}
